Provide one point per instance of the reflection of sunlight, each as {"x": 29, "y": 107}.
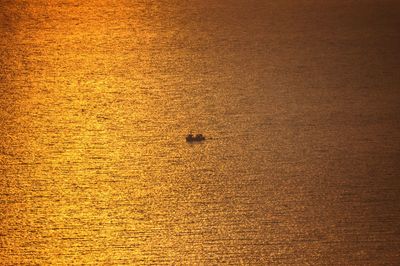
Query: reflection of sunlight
{"x": 104, "y": 174}
{"x": 96, "y": 98}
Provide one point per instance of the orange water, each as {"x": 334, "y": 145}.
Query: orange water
{"x": 298, "y": 100}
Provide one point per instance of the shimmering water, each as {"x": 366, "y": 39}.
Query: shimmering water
{"x": 299, "y": 99}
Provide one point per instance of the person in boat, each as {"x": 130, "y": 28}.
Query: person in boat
{"x": 199, "y": 137}
{"x": 189, "y": 137}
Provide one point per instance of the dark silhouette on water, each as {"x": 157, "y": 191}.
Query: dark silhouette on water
{"x": 192, "y": 138}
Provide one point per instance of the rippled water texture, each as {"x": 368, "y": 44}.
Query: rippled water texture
{"x": 299, "y": 101}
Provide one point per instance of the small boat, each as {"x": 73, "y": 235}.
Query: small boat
{"x": 193, "y": 138}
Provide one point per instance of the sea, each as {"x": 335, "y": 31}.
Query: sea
{"x": 299, "y": 102}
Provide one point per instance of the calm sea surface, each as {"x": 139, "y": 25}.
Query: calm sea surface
{"x": 300, "y": 101}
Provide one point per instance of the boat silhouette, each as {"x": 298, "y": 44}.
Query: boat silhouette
{"x": 195, "y": 138}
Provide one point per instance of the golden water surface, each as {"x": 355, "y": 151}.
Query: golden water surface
{"x": 299, "y": 101}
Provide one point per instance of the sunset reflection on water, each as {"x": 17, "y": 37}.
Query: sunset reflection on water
{"x": 298, "y": 101}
